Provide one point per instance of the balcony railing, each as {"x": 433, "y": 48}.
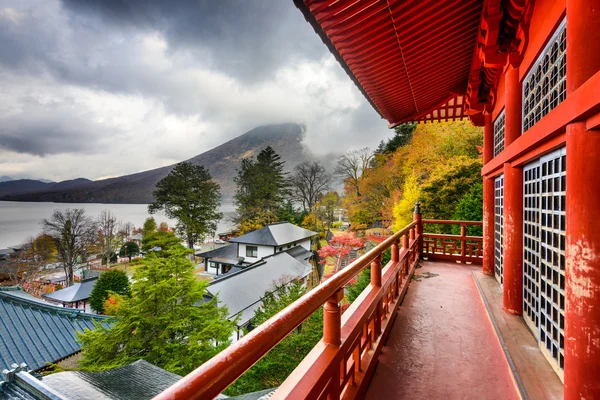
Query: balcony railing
{"x": 461, "y": 247}
{"x": 341, "y": 364}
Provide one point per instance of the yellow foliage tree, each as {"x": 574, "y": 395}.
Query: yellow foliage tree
{"x": 403, "y": 209}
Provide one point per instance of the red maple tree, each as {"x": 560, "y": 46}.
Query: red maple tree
{"x": 339, "y": 247}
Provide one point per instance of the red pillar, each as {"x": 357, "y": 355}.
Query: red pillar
{"x": 488, "y": 199}
{"x": 512, "y": 107}
{"x": 488, "y": 226}
{"x": 582, "y": 325}
{"x": 513, "y": 240}
{"x": 582, "y": 312}
{"x": 513, "y": 200}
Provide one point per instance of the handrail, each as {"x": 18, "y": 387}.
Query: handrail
{"x": 214, "y": 376}
{"x": 451, "y": 222}
{"x": 461, "y": 247}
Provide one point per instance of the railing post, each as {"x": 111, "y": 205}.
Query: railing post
{"x": 376, "y": 282}
{"x": 405, "y": 242}
{"x": 376, "y": 271}
{"x": 332, "y": 319}
{"x": 395, "y": 251}
{"x": 417, "y": 217}
{"x": 463, "y": 242}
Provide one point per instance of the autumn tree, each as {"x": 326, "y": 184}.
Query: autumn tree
{"x": 339, "y": 248}
{"x": 189, "y": 195}
{"x": 326, "y": 206}
{"x": 109, "y": 236}
{"x": 73, "y": 233}
{"x": 353, "y": 166}
{"x": 165, "y": 321}
{"x": 308, "y": 181}
{"x": 262, "y": 187}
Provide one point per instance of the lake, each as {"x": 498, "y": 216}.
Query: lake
{"x": 20, "y": 220}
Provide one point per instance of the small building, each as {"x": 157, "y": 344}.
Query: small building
{"x": 272, "y": 239}
{"x": 242, "y": 291}
{"x": 37, "y": 333}
{"x": 225, "y": 236}
{"x": 75, "y": 296}
{"x": 221, "y": 260}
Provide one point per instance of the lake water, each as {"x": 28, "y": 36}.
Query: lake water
{"x": 20, "y": 220}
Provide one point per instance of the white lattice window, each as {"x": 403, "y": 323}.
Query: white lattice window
{"x": 499, "y": 229}
{"x": 499, "y": 134}
{"x": 544, "y": 239}
{"x": 544, "y": 87}
{"x": 531, "y": 246}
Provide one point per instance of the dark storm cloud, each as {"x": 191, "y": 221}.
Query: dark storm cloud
{"x": 247, "y": 39}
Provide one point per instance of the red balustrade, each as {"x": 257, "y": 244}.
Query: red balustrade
{"x": 461, "y": 247}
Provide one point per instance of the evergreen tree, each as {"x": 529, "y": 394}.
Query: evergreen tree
{"x": 110, "y": 281}
{"x": 129, "y": 249}
{"x": 189, "y": 195}
{"x": 149, "y": 226}
{"x": 262, "y": 187}
{"x": 164, "y": 322}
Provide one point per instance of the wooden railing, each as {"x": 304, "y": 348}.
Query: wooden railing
{"x": 340, "y": 365}
{"x": 461, "y": 247}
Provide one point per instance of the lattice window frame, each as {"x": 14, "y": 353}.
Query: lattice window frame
{"x": 499, "y": 134}
{"x": 499, "y": 229}
{"x": 531, "y": 246}
{"x": 548, "y": 208}
{"x": 544, "y": 86}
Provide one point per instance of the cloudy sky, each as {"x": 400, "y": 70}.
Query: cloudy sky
{"x": 100, "y": 88}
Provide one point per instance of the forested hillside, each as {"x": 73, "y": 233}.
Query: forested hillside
{"x": 437, "y": 164}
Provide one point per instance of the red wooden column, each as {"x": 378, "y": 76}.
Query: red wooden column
{"x": 513, "y": 201}
{"x": 582, "y": 319}
{"x": 488, "y": 198}
{"x": 488, "y": 226}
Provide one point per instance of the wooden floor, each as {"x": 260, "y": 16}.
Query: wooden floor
{"x": 442, "y": 344}
{"x": 534, "y": 373}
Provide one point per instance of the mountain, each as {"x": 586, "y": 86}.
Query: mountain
{"x": 18, "y": 187}
{"x": 5, "y": 178}
{"x": 222, "y": 162}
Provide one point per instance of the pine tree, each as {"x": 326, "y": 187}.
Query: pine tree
{"x": 165, "y": 322}
{"x": 262, "y": 187}
{"x": 189, "y": 195}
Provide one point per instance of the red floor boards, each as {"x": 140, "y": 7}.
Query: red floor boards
{"x": 442, "y": 344}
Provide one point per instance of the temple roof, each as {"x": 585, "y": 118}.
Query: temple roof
{"x": 37, "y": 333}
{"x": 422, "y": 60}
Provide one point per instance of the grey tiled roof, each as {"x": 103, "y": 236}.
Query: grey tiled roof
{"x": 275, "y": 235}
{"x": 139, "y": 380}
{"x": 229, "y": 251}
{"x": 243, "y": 291}
{"x": 299, "y": 253}
{"x": 37, "y": 333}
{"x": 78, "y": 292}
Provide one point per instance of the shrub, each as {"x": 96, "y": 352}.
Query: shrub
{"x": 110, "y": 281}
